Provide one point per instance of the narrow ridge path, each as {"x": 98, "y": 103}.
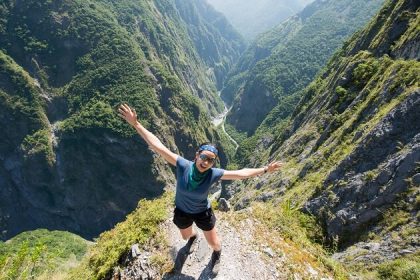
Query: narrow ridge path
{"x": 240, "y": 259}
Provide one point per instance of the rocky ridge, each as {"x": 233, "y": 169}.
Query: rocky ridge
{"x": 243, "y": 256}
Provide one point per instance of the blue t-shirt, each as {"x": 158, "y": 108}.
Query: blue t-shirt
{"x": 193, "y": 201}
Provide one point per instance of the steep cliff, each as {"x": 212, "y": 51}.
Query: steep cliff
{"x": 351, "y": 149}
{"x": 67, "y": 161}
{"x": 217, "y": 43}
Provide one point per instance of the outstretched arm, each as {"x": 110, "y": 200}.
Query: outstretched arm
{"x": 154, "y": 143}
{"x": 250, "y": 172}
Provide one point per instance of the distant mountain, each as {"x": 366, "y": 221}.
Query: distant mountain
{"x": 67, "y": 160}
{"x": 252, "y": 18}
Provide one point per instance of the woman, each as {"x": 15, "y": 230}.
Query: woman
{"x": 194, "y": 180}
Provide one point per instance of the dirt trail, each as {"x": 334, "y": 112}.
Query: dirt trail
{"x": 239, "y": 260}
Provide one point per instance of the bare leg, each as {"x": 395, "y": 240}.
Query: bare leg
{"x": 187, "y": 232}
{"x": 213, "y": 239}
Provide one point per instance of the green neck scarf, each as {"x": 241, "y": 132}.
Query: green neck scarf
{"x": 195, "y": 177}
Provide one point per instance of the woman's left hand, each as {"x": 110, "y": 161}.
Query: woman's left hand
{"x": 274, "y": 166}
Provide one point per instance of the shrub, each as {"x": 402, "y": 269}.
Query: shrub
{"x": 341, "y": 91}
{"x": 39, "y": 143}
{"x": 139, "y": 227}
{"x": 30, "y": 254}
{"x": 364, "y": 71}
{"x": 400, "y": 269}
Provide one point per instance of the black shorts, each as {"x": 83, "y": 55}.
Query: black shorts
{"x": 205, "y": 220}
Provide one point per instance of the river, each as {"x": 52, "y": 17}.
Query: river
{"x": 220, "y": 120}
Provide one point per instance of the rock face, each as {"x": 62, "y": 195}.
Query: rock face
{"x": 376, "y": 173}
{"x": 381, "y": 171}
{"x": 242, "y": 118}
{"x": 137, "y": 265}
{"x": 224, "y": 205}
{"x": 68, "y": 162}
{"x": 86, "y": 190}
{"x": 397, "y": 35}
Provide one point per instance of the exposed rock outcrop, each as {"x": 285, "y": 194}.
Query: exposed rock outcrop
{"x": 374, "y": 176}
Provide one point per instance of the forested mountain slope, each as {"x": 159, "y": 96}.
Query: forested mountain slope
{"x": 215, "y": 40}
{"x": 351, "y": 149}
{"x": 284, "y": 60}
{"x": 67, "y": 160}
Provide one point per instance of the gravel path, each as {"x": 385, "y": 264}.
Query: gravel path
{"x": 249, "y": 251}
{"x": 239, "y": 259}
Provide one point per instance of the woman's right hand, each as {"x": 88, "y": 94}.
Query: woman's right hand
{"x": 128, "y": 114}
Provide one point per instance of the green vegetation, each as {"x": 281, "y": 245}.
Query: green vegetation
{"x": 338, "y": 145}
{"x": 35, "y": 254}
{"x": 413, "y": 30}
{"x": 334, "y": 115}
{"x": 238, "y": 136}
{"x": 289, "y": 223}
{"x": 331, "y": 124}
{"x": 403, "y": 268}
{"x": 220, "y": 53}
{"x": 65, "y": 67}
{"x": 364, "y": 71}
{"x": 273, "y": 125}
{"x": 324, "y": 158}
{"x": 284, "y": 61}
{"x": 407, "y": 268}
{"x": 288, "y": 70}
{"x": 228, "y": 146}
{"x": 95, "y": 56}
{"x": 39, "y": 143}
{"x": 19, "y": 92}
{"x": 140, "y": 227}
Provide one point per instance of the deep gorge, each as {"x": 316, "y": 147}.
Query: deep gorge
{"x": 333, "y": 92}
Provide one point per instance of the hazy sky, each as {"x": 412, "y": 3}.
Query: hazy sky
{"x": 251, "y": 17}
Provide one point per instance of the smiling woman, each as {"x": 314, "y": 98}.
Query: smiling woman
{"x": 194, "y": 179}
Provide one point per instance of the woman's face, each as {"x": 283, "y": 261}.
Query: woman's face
{"x": 204, "y": 160}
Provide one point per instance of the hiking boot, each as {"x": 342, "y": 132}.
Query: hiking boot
{"x": 215, "y": 262}
{"x": 192, "y": 243}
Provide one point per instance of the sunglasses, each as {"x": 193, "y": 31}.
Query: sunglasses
{"x": 205, "y": 157}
